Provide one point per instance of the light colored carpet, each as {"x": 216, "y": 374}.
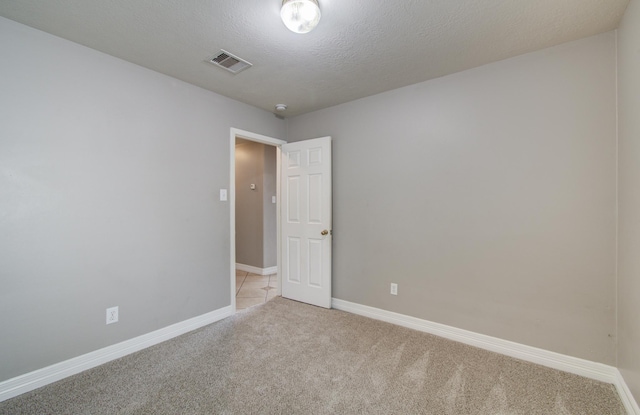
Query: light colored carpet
{"x": 285, "y": 357}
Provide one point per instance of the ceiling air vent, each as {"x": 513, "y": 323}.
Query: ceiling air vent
{"x": 229, "y": 62}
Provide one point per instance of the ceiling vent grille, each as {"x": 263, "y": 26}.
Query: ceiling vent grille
{"x": 230, "y": 62}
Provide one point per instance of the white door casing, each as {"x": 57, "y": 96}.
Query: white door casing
{"x": 306, "y": 221}
{"x": 237, "y": 133}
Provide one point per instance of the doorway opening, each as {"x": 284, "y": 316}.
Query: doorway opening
{"x": 255, "y": 218}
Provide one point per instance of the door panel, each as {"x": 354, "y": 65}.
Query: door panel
{"x": 306, "y": 221}
{"x": 293, "y": 199}
{"x": 293, "y": 262}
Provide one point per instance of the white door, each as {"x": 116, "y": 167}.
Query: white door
{"x": 306, "y": 221}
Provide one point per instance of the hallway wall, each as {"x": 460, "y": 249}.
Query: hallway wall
{"x": 256, "y": 243}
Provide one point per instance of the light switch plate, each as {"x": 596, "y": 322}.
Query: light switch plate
{"x": 223, "y": 195}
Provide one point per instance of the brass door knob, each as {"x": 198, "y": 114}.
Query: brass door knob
{"x": 324, "y": 232}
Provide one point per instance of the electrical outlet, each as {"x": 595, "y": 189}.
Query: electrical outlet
{"x": 394, "y": 289}
{"x": 112, "y": 315}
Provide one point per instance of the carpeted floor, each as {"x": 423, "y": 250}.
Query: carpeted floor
{"x": 285, "y": 357}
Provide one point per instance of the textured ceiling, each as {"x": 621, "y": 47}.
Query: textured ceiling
{"x": 360, "y": 47}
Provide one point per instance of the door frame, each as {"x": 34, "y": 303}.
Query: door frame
{"x": 259, "y": 138}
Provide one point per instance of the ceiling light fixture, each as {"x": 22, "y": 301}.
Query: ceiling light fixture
{"x": 300, "y": 16}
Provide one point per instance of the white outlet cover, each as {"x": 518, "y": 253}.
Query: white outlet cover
{"x": 112, "y": 315}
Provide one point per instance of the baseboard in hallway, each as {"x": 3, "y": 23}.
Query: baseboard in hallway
{"x": 256, "y": 270}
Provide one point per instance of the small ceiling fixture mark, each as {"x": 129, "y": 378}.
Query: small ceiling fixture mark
{"x": 230, "y": 62}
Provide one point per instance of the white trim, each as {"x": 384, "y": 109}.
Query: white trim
{"x": 627, "y": 398}
{"x": 278, "y": 220}
{"x": 593, "y": 370}
{"x": 247, "y": 135}
{"x": 582, "y": 367}
{"x": 256, "y": 270}
{"x": 41, "y": 377}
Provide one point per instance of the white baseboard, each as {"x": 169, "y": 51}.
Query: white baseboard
{"x": 629, "y": 402}
{"x": 256, "y": 270}
{"x": 598, "y": 371}
{"x": 582, "y": 367}
{"x": 41, "y": 377}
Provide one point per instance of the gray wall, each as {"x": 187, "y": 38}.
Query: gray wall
{"x": 487, "y": 195}
{"x": 256, "y": 240}
{"x": 249, "y": 217}
{"x": 109, "y": 179}
{"x": 629, "y": 198}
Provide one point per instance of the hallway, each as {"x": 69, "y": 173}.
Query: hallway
{"x": 253, "y": 289}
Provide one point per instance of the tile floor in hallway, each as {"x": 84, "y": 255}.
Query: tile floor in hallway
{"x": 253, "y": 289}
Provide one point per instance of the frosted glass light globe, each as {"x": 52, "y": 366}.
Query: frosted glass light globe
{"x": 300, "y": 16}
